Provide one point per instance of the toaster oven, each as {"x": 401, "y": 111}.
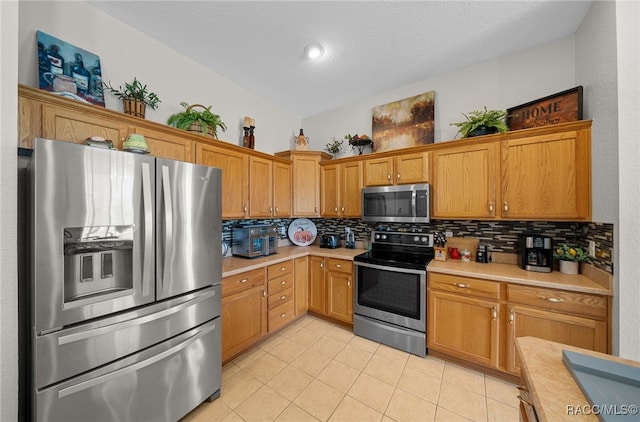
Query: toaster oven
{"x": 254, "y": 241}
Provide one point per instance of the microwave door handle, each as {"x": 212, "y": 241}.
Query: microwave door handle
{"x": 148, "y": 230}
{"x": 168, "y": 225}
{"x": 414, "y": 195}
{"x": 265, "y": 245}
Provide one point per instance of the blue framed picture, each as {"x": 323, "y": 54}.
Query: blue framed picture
{"x": 69, "y": 71}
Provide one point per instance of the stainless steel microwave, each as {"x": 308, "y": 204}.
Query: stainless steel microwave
{"x": 396, "y": 204}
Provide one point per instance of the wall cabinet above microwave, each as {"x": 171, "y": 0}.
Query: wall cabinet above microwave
{"x": 397, "y": 170}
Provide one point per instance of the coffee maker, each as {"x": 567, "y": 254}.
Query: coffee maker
{"x": 535, "y": 252}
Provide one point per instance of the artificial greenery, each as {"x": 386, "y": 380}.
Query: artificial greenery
{"x": 334, "y": 147}
{"x": 477, "y": 118}
{"x": 570, "y": 253}
{"x": 135, "y": 91}
{"x": 209, "y": 122}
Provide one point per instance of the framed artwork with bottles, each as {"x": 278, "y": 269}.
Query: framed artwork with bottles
{"x": 69, "y": 71}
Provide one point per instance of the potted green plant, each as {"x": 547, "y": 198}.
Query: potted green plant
{"x": 482, "y": 122}
{"x": 202, "y": 121}
{"x": 570, "y": 257}
{"x": 334, "y": 147}
{"x": 135, "y": 97}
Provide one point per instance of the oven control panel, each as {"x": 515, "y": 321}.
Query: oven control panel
{"x": 403, "y": 238}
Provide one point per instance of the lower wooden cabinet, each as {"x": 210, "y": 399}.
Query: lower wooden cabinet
{"x": 462, "y": 324}
{"x": 244, "y": 311}
{"x": 331, "y": 288}
{"x": 280, "y": 302}
{"x": 301, "y": 285}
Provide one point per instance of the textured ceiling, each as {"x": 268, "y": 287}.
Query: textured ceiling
{"x": 370, "y": 46}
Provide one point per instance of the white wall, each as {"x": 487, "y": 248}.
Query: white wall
{"x": 499, "y": 84}
{"x": 8, "y": 216}
{"x": 126, "y": 53}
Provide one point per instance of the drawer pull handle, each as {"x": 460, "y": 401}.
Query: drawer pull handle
{"x": 338, "y": 266}
{"x": 283, "y": 297}
{"x": 283, "y": 315}
{"x": 282, "y": 283}
{"x": 552, "y": 299}
{"x": 462, "y": 285}
{"x": 283, "y": 268}
{"x": 244, "y": 280}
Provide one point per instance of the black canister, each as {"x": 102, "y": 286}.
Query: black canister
{"x": 481, "y": 254}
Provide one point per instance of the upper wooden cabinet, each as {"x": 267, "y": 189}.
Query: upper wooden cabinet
{"x": 168, "y": 145}
{"x": 547, "y": 177}
{"x": 464, "y": 181}
{"x": 281, "y": 189}
{"x": 270, "y": 188}
{"x": 341, "y": 187}
{"x": 306, "y": 181}
{"x": 235, "y": 177}
{"x": 397, "y": 170}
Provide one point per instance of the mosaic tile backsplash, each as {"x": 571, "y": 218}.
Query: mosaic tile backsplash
{"x": 502, "y": 236}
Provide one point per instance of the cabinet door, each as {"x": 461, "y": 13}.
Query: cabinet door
{"x": 412, "y": 168}
{"x": 464, "y": 182}
{"x": 301, "y": 277}
{"x": 29, "y": 121}
{"x": 351, "y": 193}
{"x": 463, "y": 326}
{"x": 340, "y": 296}
{"x": 306, "y": 188}
{"x": 330, "y": 190}
{"x": 547, "y": 177}
{"x": 168, "y": 145}
{"x": 317, "y": 286}
{"x": 235, "y": 177}
{"x": 244, "y": 320}
{"x": 576, "y": 331}
{"x": 261, "y": 187}
{"x": 68, "y": 125}
{"x": 378, "y": 171}
{"x": 281, "y": 189}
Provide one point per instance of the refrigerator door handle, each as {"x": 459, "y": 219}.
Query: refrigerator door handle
{"x": 168, "y": 225}
{"x": 148, "y": 229}
{"x": 132, "y": 368}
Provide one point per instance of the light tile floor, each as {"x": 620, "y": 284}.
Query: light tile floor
{"x": 317, "y": 371}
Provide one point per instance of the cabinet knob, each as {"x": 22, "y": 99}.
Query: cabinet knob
{"x": 506, "y": 207}
{"x": 494, "y": 313}
{"x": 282, "y": 283}
{"x": 244, "y": 209}
{"x": 270, "y": 209}
{"x": 283, "y": 268}
{"x": 277, "y": 210}
{"x": 349, "y": 283}
{"x": 283, "y": 297}
{"x": 336, "y": 210}
{"x": 491, "y": 209}
{"x": 316, "y": 208}
{"x": 398, "y": 176}
{"x": 244, "y": 280}
{"x": 282, "y": 315}
{"x": 389, "y": 176}
{"x": 343, "y": 209}
{"x": 512, "y": 316}
{"x": 338, "y": 265}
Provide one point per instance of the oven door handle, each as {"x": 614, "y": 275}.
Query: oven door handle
{"x": 389, "y": 268}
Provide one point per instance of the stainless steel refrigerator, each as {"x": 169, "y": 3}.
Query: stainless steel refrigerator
{"x": 122, "y": 292}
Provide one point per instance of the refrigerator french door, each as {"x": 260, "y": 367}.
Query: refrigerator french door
{"x": 124, "y": 284}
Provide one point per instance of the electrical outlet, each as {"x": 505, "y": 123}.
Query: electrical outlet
{"x": 281, "y": 230}
{"x": 448, "y": 234}
{"x": 592, "y": 248}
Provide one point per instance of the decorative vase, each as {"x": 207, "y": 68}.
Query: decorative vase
{"x": 134, "y": 107}
{"x": 482, "y": 130}
{"x": 569, "y": 267}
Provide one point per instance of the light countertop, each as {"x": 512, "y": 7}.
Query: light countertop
{"x": 550, "y": 383}
{"x": 514, "y": 274}
{"x": 235, "y": 265}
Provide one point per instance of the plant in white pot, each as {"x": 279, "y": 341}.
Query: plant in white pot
{"x": 570, "y": 257}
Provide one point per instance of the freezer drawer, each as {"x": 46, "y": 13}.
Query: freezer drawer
{"x": 67, "y": 353}
{"x": 162, "y": 383}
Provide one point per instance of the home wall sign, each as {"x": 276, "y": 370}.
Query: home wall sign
{"x": 69, "y": 71}
{"x": 565, "y": 106}
{"x": 405, "y": 123}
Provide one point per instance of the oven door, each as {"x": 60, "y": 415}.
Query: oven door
{"x": 394, "y": 295}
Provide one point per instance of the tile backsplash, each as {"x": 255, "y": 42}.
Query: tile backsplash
{"x": 501, "y": 235}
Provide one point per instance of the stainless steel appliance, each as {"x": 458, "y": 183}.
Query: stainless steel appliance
{"x": 254, "y": 241}
{"x": 399, "y": 204}
{"x": 123, "y": 275}
{"x": 390, "y": 300}
{"x": 535, "y": 253}
{"x": 330, "y": 240}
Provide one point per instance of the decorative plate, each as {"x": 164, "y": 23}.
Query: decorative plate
{"x": 302, "y": 232}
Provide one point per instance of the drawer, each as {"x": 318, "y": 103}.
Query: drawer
{"x": 243, "y": 281}
{"x": 280, "y": 269}
{"x": 583, "y": 304}
{"x": 280, "y": 315}
{"x": 279, "y": 298}
{"x": 279, "y": 284}
{"x": 339, "y": 265}
{"x": 464, "y": 285}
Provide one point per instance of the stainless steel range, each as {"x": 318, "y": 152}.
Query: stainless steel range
{"x": 390, "y": 300}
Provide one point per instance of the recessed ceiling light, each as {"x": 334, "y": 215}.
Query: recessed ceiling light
{"x": 313, "y": 51}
